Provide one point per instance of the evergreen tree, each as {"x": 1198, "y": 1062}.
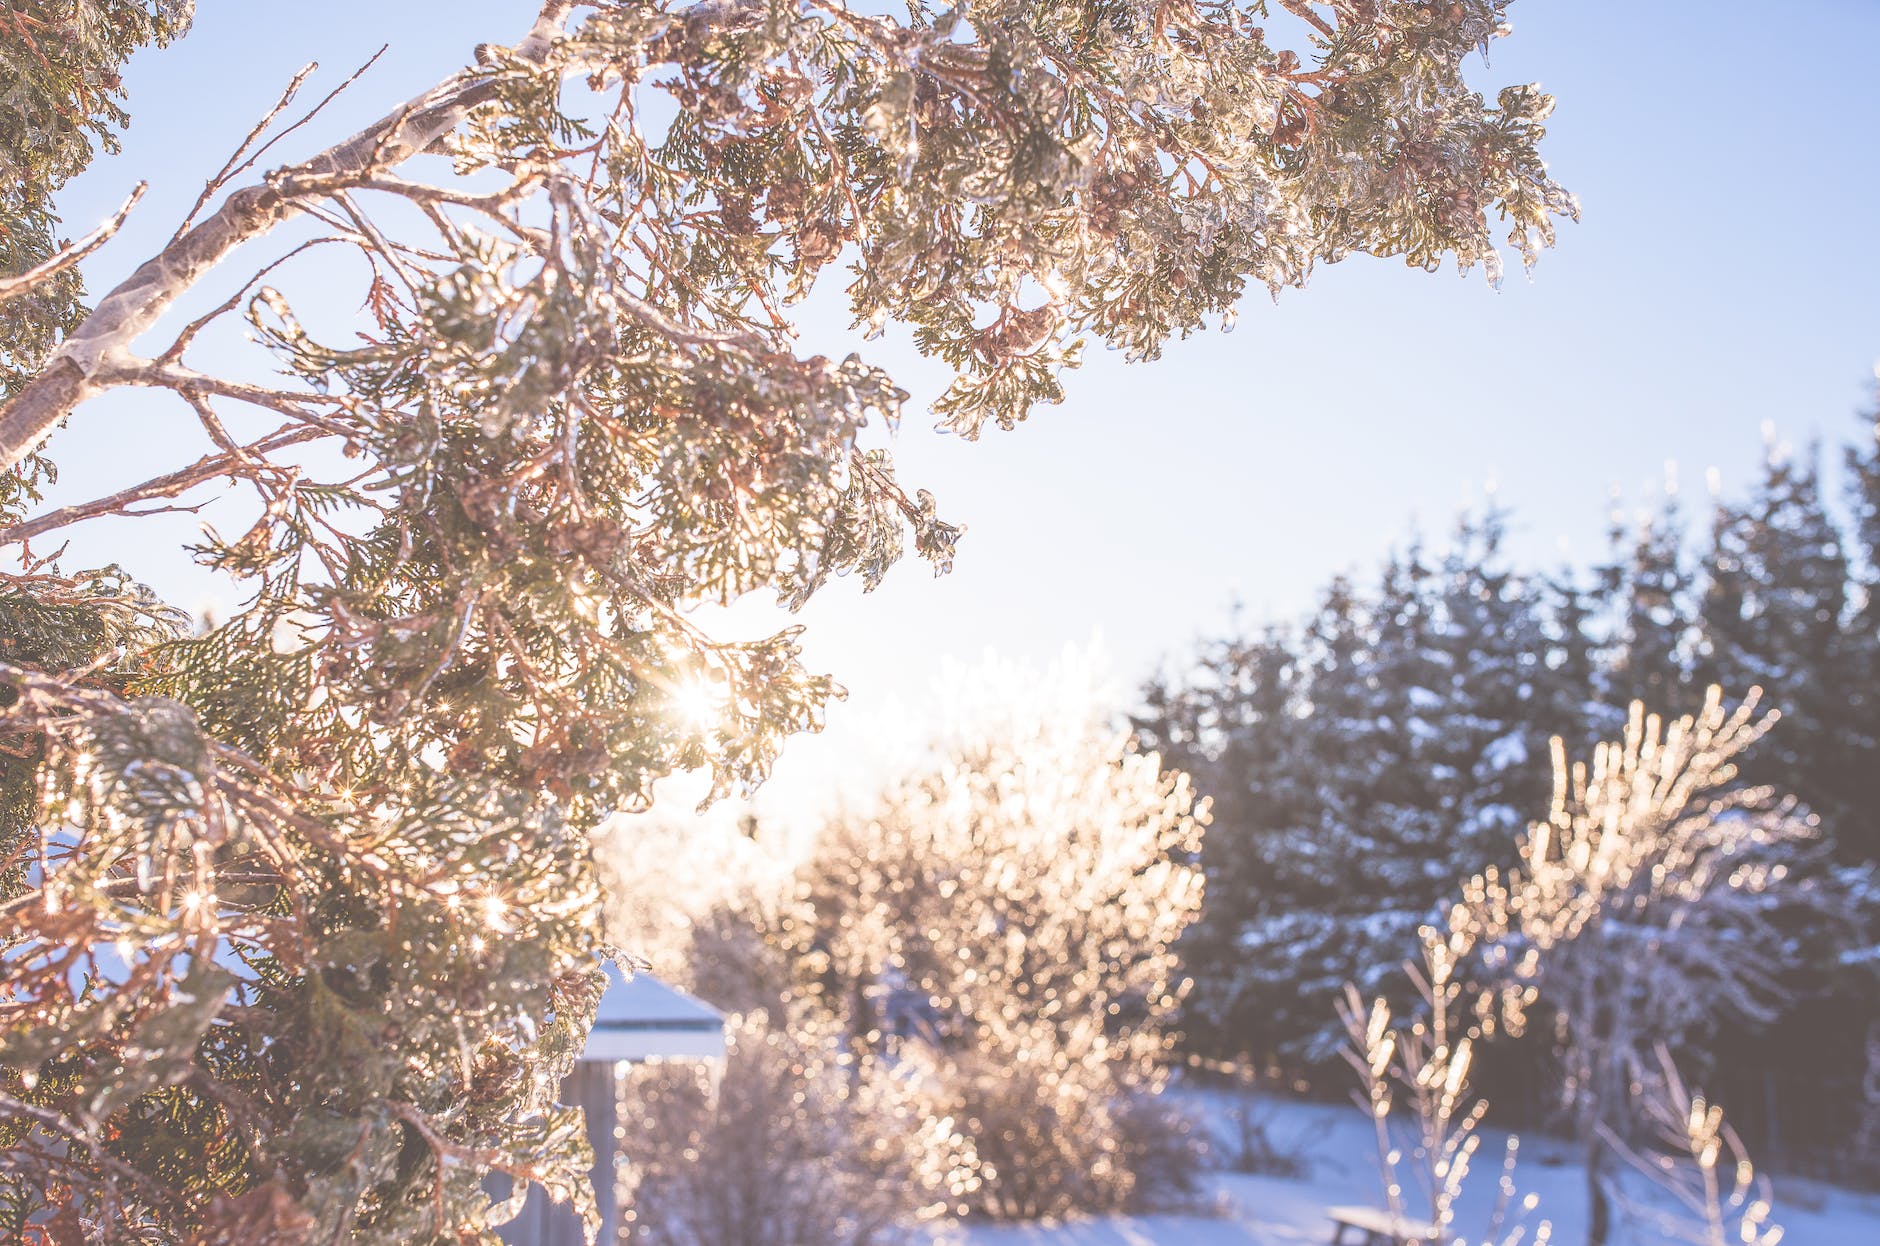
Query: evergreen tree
{"x": 1233, "y": 724}
{"x": 1357, "y": 776}
{"x": 1348, "y": 862}
{"x": 1654, "y": 594}
{"x": 1576, "y": 653}
{"x": 1392, "y": 824}
{"x": 1775, "y": 591}
{"x": 1392, "y": 736}
{"x": 63, "y": 102}
{"x": 1493, "y": 647}
{"x": 301, "y": 929}
{"x": 1857, "y": 832}
{"x": 1286, "y": 950}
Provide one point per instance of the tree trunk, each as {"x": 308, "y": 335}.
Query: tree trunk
{"x": 1598, "y": 1206}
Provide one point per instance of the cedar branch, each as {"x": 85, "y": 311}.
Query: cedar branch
{"x": 73, "y": 374}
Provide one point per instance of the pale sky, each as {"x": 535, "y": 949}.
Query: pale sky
{"x": 1727, "y": 156}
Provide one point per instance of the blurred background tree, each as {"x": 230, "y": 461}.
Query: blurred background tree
{"x": 1006, "y": 918}
{"x": 985, "y": 950}
{"x": 1290, "y": 729}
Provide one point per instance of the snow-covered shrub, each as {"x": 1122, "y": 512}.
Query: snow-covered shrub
{"x": 1414, "y": 1075}
{"x": 1659, "y": 900}
{"x": 712, "y": 906}
{"x": 1162, "y": 1149}
{"x": 1005, "y": 919}
{"x": 1718, "y": 1198}
{"x": 1050, "y": 1136}
{"x": 789, "y": 1145}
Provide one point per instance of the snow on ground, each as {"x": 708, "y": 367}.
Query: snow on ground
{"x": 1341, "y": 1161}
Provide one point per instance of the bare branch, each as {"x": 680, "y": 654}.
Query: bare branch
{"x": 169, "y": 485}
{"x": 72, "y": 253}
{"x": 229, "y": 169}
{"x": 72, "y": 375}
{"x": 174, "y": 351}
{"x": 312, "y": 112}
{"x": 1303, "y": 11}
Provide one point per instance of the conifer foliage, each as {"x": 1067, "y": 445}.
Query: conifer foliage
{"x": 63, "y": 102}
{"x": 1358, "y": 771}
{"x": 300, "y": 924}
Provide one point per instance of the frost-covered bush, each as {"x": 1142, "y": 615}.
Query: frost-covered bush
{"x": 1047, "y": 1137}
{"x": 1005, "y": 920}
{"x": 789, "y": 1145}
{"x": 1658, "y": 901}
{"x": 1717, "y": 1197}
{"x": 1414, "y": 1074}
{"x": 705, "y": 905}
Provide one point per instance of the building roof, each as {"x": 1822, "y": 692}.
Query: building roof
{"x": 642, "y": 1018}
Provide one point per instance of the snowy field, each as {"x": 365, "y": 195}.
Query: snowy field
{"x": 1337, "y": 1145}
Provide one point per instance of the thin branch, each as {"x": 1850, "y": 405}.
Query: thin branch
{"x": 58, "y": 1124}
{"x": 1303, "y": 11}
{"x": 229, "y": 170}
{"x": 175, "y": 376}
{"x": 174, "y": 352}
{"x": 124, "y": 314}
{"x": 71, "y": 253}
{"x": 312, "y": 112}
{"x": 172, "y": 484}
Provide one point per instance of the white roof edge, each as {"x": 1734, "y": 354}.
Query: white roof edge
{"x": 654, "y": 1043}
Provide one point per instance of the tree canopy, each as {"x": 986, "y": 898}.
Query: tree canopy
{"x": 300, "y": 921}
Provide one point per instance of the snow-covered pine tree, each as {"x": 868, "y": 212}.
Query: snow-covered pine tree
{"x": 1380, "y": 855}
{"x": 1775, "y": 614}
{"x": 1454, "y": 678}
{"x": 1775, "y": 590}
{"x": 1289, "y": 905}
{"x": 1576, "y": 650}
{"x": 1399, "y": 744}
{"x": 1651, "y": 596}
{"x": 1497, "y": 692}
{"x": 301, "y": 926}
{"x": 1232, "y": 722}
{"x": 1857, "y": 834}
{"x": 1358, "y": 775}
{"x": 1266, "y": 995}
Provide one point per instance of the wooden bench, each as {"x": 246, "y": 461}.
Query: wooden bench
{"x": 1378, "y": 1228}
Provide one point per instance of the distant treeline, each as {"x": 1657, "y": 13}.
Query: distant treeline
{"x": 1367, "y": 759}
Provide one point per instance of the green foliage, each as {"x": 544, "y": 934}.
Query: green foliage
{"x": 62, "y": 102}
{"x": 315, "y": 880}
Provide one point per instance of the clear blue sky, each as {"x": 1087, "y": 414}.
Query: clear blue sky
{"x": 1727, "y": 273}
